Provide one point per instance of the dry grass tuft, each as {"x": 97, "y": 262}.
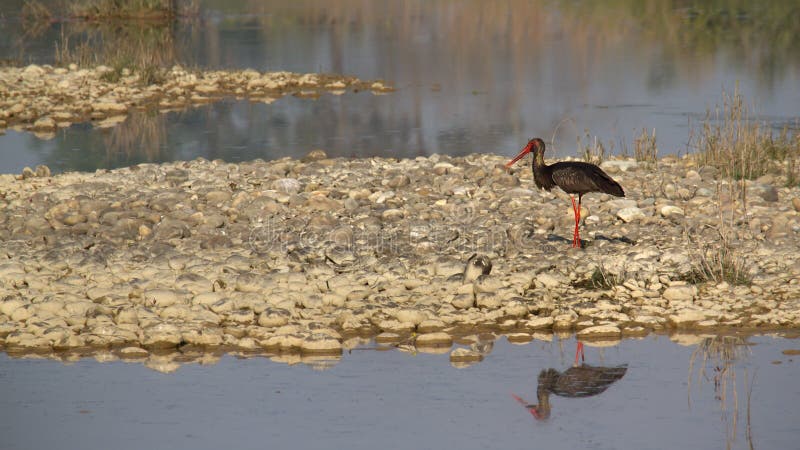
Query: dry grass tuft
{"x": 720, "y": 261}
{"x": 645, "y": 148}
{"x": 593, "y": 151}
{"x": 145, "y": 51}
{"x": 742, "y": 147}
{"x": 602, "y": 279}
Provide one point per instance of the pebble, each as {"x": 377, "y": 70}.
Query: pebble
{"x": 599, "y": 331}
{"x": 680, "y": 294}
{"x": 160, "y": 297}
{"x": 687, "y": 318}
{"x": 540, "y": 323}
{"x": 548, "y": 280}
{"x": 630, "y": 214}
{"x": 321, "y": 343}
{"x": 435, "y": 338}
{"x": 669, "y": 211}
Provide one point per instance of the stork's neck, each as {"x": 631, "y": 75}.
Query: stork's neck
{"x": 538, "y": 160}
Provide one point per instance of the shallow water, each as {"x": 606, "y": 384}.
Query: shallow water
{"x": 471, "y": 77}
{"x": 392, "y": 399}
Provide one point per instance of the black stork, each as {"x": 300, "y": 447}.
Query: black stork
{"x": 578, "y": 381}
{"x": 573, "y": 177}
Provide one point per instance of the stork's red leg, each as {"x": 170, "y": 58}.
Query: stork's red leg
{"x": 578, "y": 222}
{"x": 579, "y": 352}
{"x": 575, "y": 238}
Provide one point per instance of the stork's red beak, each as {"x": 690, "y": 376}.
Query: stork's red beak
{"x": 533, "y": 409}
{"x": 521, "y": 154}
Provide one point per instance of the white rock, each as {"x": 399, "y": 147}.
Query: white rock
{"x": 671, "y": 211}
{"x": 687, "y": 318}
{"x": 623, "y": 165}
{"x": 160, "y": 297}
{"x": 549, "y": 280}
{"x": 414, "y": 316}
{"x": 274, "y": 317}
{"x": 287, "y": 185}
{"x": 133, "y": 352}
{"x": 332, "y": 299}
{"x": 516, "y": 308}
{"x": 321, "y": 343}
{"x": 463, "y": 301}
{"x": 241, "y": 316}
{"x": 223, "y": 306}
{"x": 620, "y": 203}
{"x": 178, "y": 311}
{"x": 110, "y": 107}
{"x": 680, "y": 293}
{"x": 599, "y": 331}
{"x": 207, "y": 298}
{"x": 437, "y": 338}
{"x": 630, "y": 214}
{"x": 9, "y": 306}
{"x": 488, "y": 301}
{"x": 161, "y": 335}
{"x": 538, "y": 323}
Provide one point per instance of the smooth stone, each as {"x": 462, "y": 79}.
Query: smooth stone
{"x": 274, "y": 317}
{"x": 435, "y": 338}
{"x": 410, "y": 316}
{"x": 599, "y": 331}
{"x": 549, "y": 280}
{"x": 620, "y": 203}
{"x": 160, "y": 297}
{"x": 687, "y": 318}
{"x": 538, "y": 323}
{"x": 8, "y": 307}
{"x": 44, "y": 124}
{"x": 519, "y": 338}
{"x": 161, "y": 335}
{"x": 488, "y": 301}
{"x": 628, "y": 215}
{"x": 680, "y": 293}
{"x": 431, "y": 325}
{"x": 621, "y": 165}
{"x": 133, "y": 352}
{"x": 207, "y": 298}
{"x": 671, "y": 211}
{"x": 287, "y": 185}
{"x": 240, "y": 316}
{"x": 321, "y": 343}
{"x": 463, "y": 301}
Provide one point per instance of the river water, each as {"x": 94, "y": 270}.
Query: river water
{"x": 474, "y": 76}
{"x": 396, "y": 400}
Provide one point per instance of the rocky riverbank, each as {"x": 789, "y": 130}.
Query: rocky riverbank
{"x": 302, "y": 256}
{"x": 42, "y": 99}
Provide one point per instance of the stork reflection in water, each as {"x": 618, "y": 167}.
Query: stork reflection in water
{"x": 581, "y": 380}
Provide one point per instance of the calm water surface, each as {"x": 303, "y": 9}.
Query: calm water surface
{"x": 394, "y": 400}
{"x": 471, "y": 77}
